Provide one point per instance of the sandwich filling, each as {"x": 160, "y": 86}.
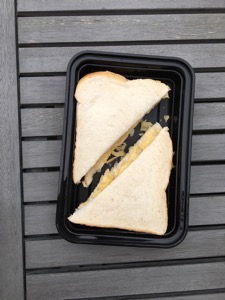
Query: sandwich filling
{"x": 103, "y": 159}
{"x": 125, "y": 162}
{"x": 108, "y": 106}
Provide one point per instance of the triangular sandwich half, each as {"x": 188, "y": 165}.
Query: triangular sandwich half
{"x": 135, "y": 199}
{"x": 108, "y": 107}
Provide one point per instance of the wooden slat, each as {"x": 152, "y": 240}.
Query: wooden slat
{"x": 40, "y": 219}
{"x": 40, "y": 154}
{"x": 11, "y": 252}
{"x": 42, "y": 121}
{"x": 66, "y": 5}
{"x": 130, "y": 281}
{"x": 209, "y": 116}
{"x": 35, "y": 90}
{"x": 204, "y": 179}
{"x": 49, "y": 121}
{"x": 59, "y": 253}
{"x": 210, "y": 85}
{"x": 121, "y": 28}
{"x": 42, "y": 90}
{"x": 207, "y": 210}
{"x": 40, "y": 186}
{"x": 207, "y": 179}
{"x": 208, "y": 147}
{"x": 56, "y": 59}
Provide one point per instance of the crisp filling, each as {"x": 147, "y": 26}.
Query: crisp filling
{"x": 131, "y": 156}
{"x": 103, "y": 159}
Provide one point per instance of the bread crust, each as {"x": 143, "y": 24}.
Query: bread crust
{"x": 100, "y": 74}
{"x": 136, "y": 199}
{"x": 108, "y": 105}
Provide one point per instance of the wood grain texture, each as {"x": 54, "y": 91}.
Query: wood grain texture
{"x": 38, "y": 122}
{"x": 41, "y": 186}
{"x": 40, "y": 154}
{"x": 52, "y": 59}
{"x": 42, "y": 121}
{"x": 54, "y": 5}
{"x": 49, "y": 121}
{"x": 40, "y": 219}
{"x": 212, "y": 296}
{"x": 208, "y": 147}
{"x": 59, "y": 253}
{"x": 11, "y": 253}
{"x": 210, "y": 85}
{"x": 121, "y": 28}
{"x": 207, "y": 179}
{"x": 209, "y": 116}
{"x": 213, "y": 208}
{"x": 37, "y": 90}
{"x": 130, "y": 281}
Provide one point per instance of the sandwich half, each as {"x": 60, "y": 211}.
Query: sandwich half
{"x": 132, "y": 195}
{"x": 109, "y": 106}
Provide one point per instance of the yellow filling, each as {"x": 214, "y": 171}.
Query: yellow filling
{"x": 103, "y": 159}
{"x": 131, "y": 156}
{"x": 145, "y": 125}
{"x": 166, "y": 118}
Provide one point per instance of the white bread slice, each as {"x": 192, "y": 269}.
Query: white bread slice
{"x": 136, "y": 199}
{"x": 108, "y": 106}
{"x": 128, "y": 159}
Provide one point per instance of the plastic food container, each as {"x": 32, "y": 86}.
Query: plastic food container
{"x": 179, "y": 75}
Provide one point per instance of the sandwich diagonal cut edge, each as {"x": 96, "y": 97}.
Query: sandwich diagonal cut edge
{"x": 133, "y": 153}
{"x": 107, "y": 102}
{"x": 103, "y": 159}
{"x": 136, "y": 199}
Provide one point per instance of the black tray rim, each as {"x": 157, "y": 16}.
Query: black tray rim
{"x": 85, "y": 238}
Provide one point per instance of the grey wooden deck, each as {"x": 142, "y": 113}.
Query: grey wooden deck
{"x": 37, "y": 40}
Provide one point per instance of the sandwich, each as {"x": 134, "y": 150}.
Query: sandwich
{"x": 109, "y": 106}
{"x": 132, "y": 195}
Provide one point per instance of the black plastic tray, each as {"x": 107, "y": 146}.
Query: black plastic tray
{"x": 179, "y": 75}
